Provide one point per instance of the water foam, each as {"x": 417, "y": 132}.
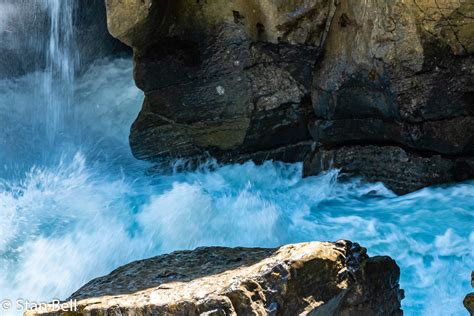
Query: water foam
{"x": 74, "y": 223}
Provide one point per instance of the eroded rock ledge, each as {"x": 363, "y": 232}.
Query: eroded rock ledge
{"x": 379, "y": 86}
{"x": 317, "y": 278}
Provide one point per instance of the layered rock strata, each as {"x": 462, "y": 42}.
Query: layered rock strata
{"x": 301, "y": 279}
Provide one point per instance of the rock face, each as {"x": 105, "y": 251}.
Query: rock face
{"x": 301, "y": 279}
{"x": 231, "y": 78}
{"x": 469, "y": 300}
{"x": 397, "y": 79}
{"x": 266, "y": 79}
{"x": 469, "y": 303}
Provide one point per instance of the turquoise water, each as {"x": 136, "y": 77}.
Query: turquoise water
{"x": 80, "y": 208}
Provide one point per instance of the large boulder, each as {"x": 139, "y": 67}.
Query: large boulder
{"x": 302, "y": 279}
{"x": 261, "y": 79}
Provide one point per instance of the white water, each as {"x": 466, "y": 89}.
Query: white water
{"x": 80, "y": 208}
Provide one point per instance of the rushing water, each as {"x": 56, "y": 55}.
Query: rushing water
{"x": 74, "y": 203}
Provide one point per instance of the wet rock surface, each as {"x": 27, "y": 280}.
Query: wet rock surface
{"x": 401, "y": 170}
{"x": 301, "y": 279}
{"x": 469, "y": 300}
{"x": 240, "y": 79}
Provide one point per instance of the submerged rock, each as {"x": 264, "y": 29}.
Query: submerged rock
{"x": 302, "y": 279}
{"x": 267, "y": 79}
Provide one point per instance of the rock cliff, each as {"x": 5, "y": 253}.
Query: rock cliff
{"x": 231, "y": 78}
{"x": 381, "y": 89}
{"x": 302, "y": 279}
{"x": 397, "y": 80}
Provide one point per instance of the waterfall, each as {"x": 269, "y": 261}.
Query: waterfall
{"x": 37, "y": 110}
{"x": 37, "y": 73}
{"x": 58, "y": 78}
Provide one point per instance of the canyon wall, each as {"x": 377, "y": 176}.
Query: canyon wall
{"x": 379, "y": 89}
